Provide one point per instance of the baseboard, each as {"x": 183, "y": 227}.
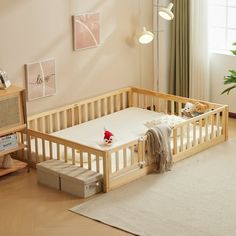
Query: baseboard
{"x": 232, "y": 115}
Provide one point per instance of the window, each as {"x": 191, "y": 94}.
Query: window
{"x": 222, "y": 25}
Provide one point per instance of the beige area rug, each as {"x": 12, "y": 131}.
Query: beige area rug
{"x": 198, "y": 197}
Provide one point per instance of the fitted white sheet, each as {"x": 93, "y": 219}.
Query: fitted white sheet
{"x": 127, "y": 125}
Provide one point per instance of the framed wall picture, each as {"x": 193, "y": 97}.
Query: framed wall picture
{"x": 41, "y": 79}
{"x": 86, "y": 31}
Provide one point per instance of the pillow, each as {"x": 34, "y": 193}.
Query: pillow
{"x": 170, "y": 120}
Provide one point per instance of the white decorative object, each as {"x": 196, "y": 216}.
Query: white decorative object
{"x": 4, "y": 79}
{"x": 7, "y": 162}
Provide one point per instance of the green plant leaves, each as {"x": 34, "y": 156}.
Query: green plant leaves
{"x": 231, "y": 78}
{"x": 233, "y": 72}
{"x": 234, "y": 52}
{"x": 228, "y": 89}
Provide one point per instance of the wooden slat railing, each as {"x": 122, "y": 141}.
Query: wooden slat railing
{"x": 80, "y": 112}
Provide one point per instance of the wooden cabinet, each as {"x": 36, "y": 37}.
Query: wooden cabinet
{"x": 13, "y": 119}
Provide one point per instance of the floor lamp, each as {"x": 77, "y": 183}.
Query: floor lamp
{"x": 146, "y": 36}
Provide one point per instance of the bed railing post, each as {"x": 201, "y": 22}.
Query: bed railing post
{"x": 106, "y": 171}
{"x": 175, "y": 147}
{"x": 226, "y": 122}
{"x": 141, "y": 151}
{"x": 28, "y": 154}
{"x": 130, "y": 97}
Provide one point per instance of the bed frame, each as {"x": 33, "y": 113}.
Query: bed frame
{"x": 41, "y": 125}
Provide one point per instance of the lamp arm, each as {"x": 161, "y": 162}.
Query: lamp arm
{"x": 157, "y": 31}
{"x": 170, "y": 6}
{"x": 158, "y": 6}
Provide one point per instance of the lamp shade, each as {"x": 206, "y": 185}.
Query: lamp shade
{"x": 145, "y": 37}
{"x": 166, "y": 13}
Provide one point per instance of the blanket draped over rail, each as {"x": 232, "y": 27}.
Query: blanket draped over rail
{"x": 158, "y": 146}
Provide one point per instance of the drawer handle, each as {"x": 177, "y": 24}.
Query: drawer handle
{"x": 96, "y": 184}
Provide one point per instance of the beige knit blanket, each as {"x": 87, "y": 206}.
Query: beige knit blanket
{"x": 158, "y": 146}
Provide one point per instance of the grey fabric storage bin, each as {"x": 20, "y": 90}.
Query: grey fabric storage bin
{"x": 81, "y": 182}
{"x": 48, "y": 172}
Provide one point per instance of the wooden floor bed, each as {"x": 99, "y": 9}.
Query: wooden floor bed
{"x": 126, "y": 159}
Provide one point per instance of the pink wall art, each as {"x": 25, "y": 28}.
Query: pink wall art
{"x": 86, "y": 31}
{"x": 40, "y": 79}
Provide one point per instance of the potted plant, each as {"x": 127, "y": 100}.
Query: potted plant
{"x": 231, "y": 78}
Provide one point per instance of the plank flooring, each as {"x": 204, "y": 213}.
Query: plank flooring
{"x": 29, "y": 209}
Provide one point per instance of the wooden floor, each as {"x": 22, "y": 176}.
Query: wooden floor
{"x": 28, "y": 209}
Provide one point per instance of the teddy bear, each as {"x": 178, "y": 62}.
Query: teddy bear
{"x": 201, "y": 108}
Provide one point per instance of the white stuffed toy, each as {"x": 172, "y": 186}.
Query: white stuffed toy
{"x": 189, "y": 109}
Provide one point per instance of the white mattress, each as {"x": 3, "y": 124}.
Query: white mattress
{"x": 127, "y": 125}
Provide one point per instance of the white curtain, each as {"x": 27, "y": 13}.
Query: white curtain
{"x": 199, "y": 57}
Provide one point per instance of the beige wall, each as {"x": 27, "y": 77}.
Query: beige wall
{"x": 33, "y": 30}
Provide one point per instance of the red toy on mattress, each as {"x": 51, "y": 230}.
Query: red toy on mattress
{"x": 108, "y": 137}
